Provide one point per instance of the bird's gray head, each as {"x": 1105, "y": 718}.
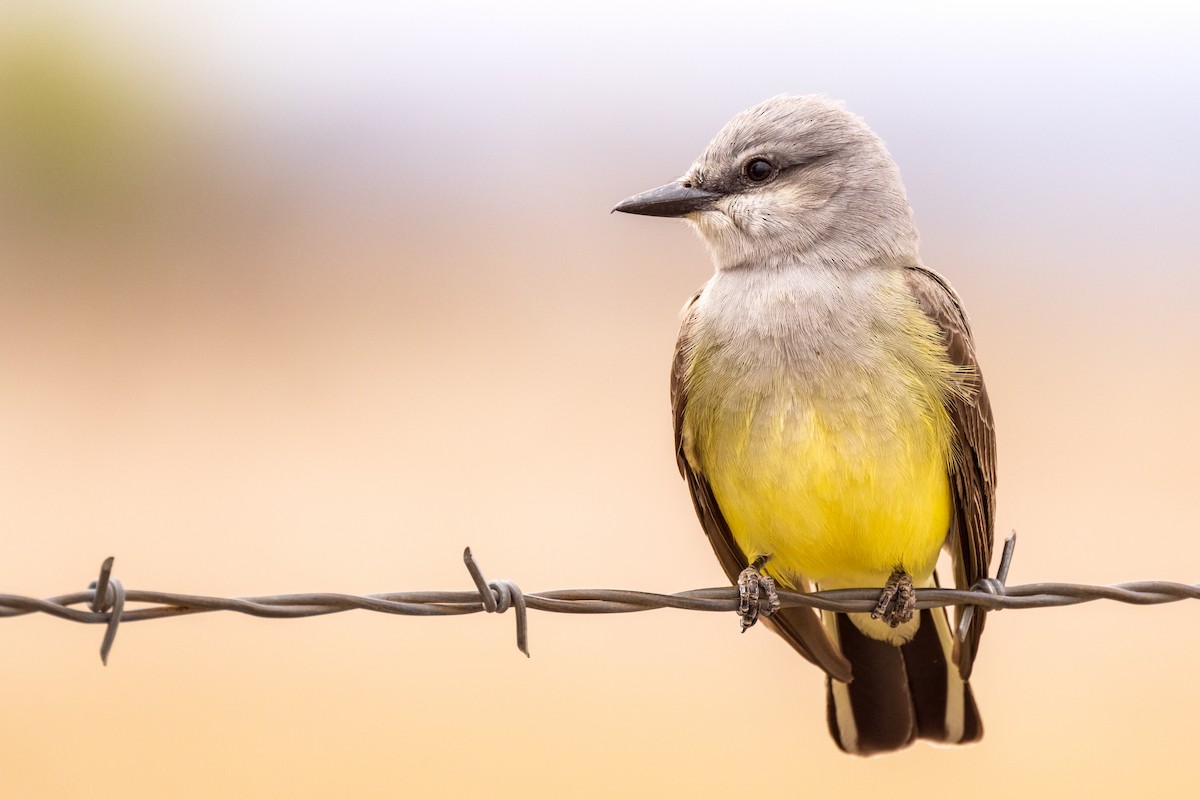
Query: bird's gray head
{"x": 790, "y": 181}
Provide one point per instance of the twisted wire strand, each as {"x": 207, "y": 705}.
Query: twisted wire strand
{"x": 107, "y": 600}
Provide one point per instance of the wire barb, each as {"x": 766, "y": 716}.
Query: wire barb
{"x": 990, "y": 585}
{"x": 506, "y": 594}
{"x": 108, "y": 598}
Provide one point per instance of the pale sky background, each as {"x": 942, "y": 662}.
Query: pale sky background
{"x": 310, "y": 296}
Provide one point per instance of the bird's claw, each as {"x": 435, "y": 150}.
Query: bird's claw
{"x": 898, "y": 600}
{"x": 756, "y": 594}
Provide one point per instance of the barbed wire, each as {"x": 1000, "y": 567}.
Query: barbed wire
{"x": 107, "y": 600}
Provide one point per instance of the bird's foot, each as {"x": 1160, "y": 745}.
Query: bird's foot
{"x": 898, "y": 600}
{"x": 756, "y": 594}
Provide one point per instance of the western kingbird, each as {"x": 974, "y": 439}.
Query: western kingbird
{"x": 830, "y": 416}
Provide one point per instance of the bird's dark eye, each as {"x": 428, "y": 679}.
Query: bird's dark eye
{"x": 759, "y": 170}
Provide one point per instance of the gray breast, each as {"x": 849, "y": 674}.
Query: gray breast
{"x": 806, "y": 326}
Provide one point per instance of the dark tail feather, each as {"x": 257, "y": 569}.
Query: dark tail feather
{"x": 899, "y": 694}
{"x": 943, "y": 702}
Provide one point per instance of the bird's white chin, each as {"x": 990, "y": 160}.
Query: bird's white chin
{"x": 727, "y": 243}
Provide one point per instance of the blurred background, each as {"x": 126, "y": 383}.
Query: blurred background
{"x": 309, "y": 296}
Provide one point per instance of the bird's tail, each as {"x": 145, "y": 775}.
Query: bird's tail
{"x": 899, "y": 693}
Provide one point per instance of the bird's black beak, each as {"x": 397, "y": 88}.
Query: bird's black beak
{"x": 673, "y": 200}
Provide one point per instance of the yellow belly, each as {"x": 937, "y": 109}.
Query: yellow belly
{"x": 838, "y": 501}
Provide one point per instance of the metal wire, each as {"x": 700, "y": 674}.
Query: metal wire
{"x": 106, "y": 600}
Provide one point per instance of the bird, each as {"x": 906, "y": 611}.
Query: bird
{"x": 830, "y": 415}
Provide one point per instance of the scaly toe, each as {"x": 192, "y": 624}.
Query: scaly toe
{"x": 897, "y": 601}
{"x": 756, "y": 595}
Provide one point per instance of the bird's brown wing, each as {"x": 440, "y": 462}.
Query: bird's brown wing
{"x": 973, "y": 470}
{"x": 801, "y": 627}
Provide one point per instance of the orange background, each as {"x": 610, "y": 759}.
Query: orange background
{"x": 308, "y": 297}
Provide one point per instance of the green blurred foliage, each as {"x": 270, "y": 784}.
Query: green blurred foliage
{"x": 75, "y": 124}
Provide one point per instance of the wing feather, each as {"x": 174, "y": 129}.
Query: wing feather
{"x": 973, "y": 470}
